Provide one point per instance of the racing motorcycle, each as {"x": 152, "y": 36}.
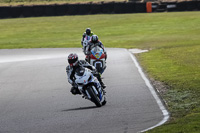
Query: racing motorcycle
{"x": 97, "y": 58}
{"x": 89, "y": 86}
{"x": 85, "y": 43}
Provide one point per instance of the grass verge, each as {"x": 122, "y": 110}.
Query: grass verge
{"x": 172, "y": 38}
{"x": 179, "y": 70}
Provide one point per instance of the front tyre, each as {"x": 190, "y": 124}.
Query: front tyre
{"x": 98, "y": 67}
{"x": 104, "y": 102}
{"x": 94, "y": 97}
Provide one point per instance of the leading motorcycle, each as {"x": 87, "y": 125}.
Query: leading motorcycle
{"x": 89, "y": 86}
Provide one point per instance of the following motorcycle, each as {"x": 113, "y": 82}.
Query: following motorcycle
{"x": 97, "y": 58}
{"x": 86, "y": 39}
{"x": 89, "y": 86}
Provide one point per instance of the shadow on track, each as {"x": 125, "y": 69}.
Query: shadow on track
{"x": 81, "y": 108}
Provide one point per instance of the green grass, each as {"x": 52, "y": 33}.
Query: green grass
{"x": 172, "y": 38}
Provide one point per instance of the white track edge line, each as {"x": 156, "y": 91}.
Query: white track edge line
{"x": 148, "y": 84}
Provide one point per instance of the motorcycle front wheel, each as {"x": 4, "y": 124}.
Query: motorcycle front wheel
{"x": 94, "y": 97}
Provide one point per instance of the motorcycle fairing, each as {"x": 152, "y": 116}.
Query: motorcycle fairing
{"x": 86, "y": 79}
{"x": 87, "y": 38}
{"x": 97, "y": 52}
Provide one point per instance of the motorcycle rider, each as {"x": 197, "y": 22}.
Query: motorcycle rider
{"x": 94, "y": 41}
{"x": 87, "y": 32}
{"x": 74, "y": 63}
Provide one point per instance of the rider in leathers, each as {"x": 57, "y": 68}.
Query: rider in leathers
{"x": 74, "y": 63}
{"x": 87, "y": 32}
{"x": 94, "y": 41}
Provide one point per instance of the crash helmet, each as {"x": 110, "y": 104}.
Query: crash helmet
{"x": 88, "y": 31}
{"x": 73, "y": 59}
{"x": 94, "y": 39}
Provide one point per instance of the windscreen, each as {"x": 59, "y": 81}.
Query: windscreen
{"x": 80, "y": 71}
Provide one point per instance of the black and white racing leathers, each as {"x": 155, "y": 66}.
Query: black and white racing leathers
{"x": 71, "y": 72}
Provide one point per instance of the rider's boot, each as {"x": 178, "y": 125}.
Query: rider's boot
{"x": 98, "y": 75}
{"x": 103, "y": 87}
{"x": 102, "y": 84}
{"x": 100, "y": 81}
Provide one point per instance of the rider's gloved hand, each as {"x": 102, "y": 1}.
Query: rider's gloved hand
{"x": 88, "y": 53}
{"x": 95, "y": 72}
{"x": 84, "y": 34}
{"x": 74, "y": 84}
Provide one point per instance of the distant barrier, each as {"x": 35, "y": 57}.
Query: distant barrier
{"x": 95, "y": 8}
{"x": 177, "y": 6}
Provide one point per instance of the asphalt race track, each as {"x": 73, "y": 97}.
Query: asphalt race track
{"x": 35, "y": 95}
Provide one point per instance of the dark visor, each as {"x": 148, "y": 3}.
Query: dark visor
{"x": 71, "y": 61}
